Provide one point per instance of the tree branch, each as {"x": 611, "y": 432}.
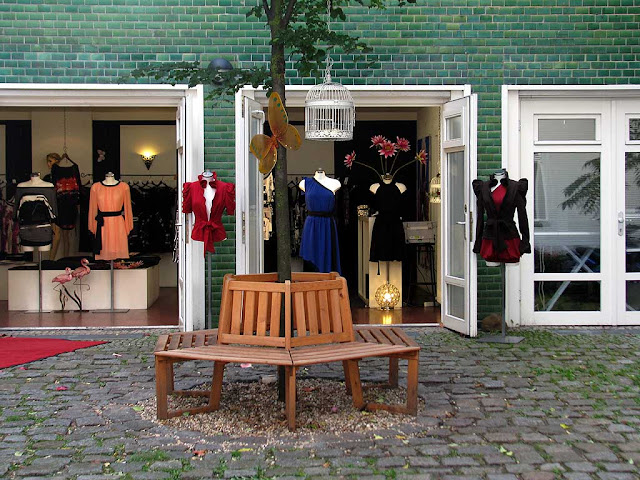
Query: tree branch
{"x": 267, "y": 10}
{"x": 287, "y": 16}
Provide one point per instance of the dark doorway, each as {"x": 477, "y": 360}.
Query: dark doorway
{"x": 18, "y": 153}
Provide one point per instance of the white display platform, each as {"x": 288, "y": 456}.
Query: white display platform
{"x": 369, "y": 270}
{"x": 5, "y": 265}
{"x": 136, "y": 288}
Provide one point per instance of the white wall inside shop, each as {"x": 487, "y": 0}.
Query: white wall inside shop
{"x": 158, "y": 140}
{"x": 428, "y": 125}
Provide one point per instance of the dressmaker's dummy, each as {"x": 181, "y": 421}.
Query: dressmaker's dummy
{"x": 387, "y": 235}
{"x": 497, "y": 239}
{"x": 327, "y": 182}
{"x": 207, "y": 198}
{"x": 35, "y": 209}
{"x": 65, "y": 175}
{"x": 319, "y": 243}
{"x": 110, "y": 218}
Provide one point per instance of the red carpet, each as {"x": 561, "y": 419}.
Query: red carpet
{"x": 19, "y": 350}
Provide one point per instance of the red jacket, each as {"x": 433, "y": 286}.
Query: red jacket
{"x": 208, "y": 230}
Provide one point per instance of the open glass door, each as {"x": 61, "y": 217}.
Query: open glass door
{"x": 459, "y": 295}
{"x": 249, "y": 223}
{"x": 190, "y": 158}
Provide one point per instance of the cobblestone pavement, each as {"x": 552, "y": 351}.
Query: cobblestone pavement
{"x": 556, "y": 406}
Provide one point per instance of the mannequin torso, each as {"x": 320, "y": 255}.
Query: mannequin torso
{"x": 401, "y": 186}
{"x": 209, "y": 192}
{"x": 320, "y": 177}
{"x": 110, "y": 179}
{"x": 498, "y": 176}
{"x": 35, "y": 181}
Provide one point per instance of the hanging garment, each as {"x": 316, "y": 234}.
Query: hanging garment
{"x": 35, "y": 210}
{"x": 387, "y": 236}
{"x": 110, "y": 220}
{"x": 497, "y": 239}
{"x": 208, "y": 229}
{"x": 319, "y": 243}
{"x": 67, "y": 183}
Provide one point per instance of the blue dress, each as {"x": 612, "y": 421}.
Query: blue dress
{"x": 319, "y": 244}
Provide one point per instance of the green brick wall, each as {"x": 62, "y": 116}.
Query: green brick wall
{"x": 486, "y": 43}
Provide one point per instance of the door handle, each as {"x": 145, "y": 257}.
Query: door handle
{"x": 461, "y": 223}
{"x": 464, "y": 230}
{"x": 620, "y": 224}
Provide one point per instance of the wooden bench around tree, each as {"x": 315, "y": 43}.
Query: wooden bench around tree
{"x": 318, "y": 329}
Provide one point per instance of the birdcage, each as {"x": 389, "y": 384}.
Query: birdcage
{"x": 329, "y": 112}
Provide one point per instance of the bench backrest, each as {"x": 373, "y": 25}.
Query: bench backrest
{"x": 315, "y": 308}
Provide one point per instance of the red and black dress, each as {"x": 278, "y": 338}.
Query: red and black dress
{"x": 497, "y": 238}
{"x": 67, "y": 182}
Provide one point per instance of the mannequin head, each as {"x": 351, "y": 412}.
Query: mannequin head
{"x": 53, "y": 159}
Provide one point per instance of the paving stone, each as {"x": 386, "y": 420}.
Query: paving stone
{"x": 577, "y": 476}
{"x": 44, "y": 466}
{"x": 166, "y": 465}
{"x": 501, "y": 476}
{"x": 538, "y": 476}
{"x": 390, "y": 462}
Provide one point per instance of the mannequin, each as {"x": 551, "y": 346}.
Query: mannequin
{"x": 319, "y": 243}
{"x": 327, "y": 182}
{"x": 498, "y": 175}
{"x": 65, "y": 175}
{"x": 36, "y": 186}
{"x": 110, "y": 179}
{"x": 207, "y": 198}
{"x": 387, "y": 178}
{"x": 209, "y": 191}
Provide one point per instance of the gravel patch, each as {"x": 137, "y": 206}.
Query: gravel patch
{"x": 251, "y": 408}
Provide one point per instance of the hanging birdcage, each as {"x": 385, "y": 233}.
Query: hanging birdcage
{"x": 435, "y": 190}
{"x": 329, "y": 111}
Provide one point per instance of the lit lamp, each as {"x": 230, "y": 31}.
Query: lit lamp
{"x": 435, "y": 190}
{"x": 148, "y": 158}
{"x": 387, "y": 296}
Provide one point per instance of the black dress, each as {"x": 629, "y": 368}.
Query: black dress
{"x": 67, "y": 183}
{"x": 387, "y": 237}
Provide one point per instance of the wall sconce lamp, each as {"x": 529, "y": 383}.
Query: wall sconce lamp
{"x": 148, "y": 158}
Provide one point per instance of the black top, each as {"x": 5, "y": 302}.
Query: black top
{"x": 500, "y": 224}
{"x": 387, "y": 236}
{"x": 44, "y": 196}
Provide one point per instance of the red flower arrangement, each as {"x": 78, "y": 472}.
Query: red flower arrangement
{"x": 387, "y": 149}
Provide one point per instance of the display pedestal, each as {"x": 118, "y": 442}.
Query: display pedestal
{"x": 368, "y": 278}
{"x": 136, "y": 288}
{"x": 111, "y": 309}
{"x": 503, "y": 338}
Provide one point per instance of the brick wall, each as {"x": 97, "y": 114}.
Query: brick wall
{"x": 484, "y": 43}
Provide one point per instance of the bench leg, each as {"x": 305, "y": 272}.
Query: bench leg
{"x": 347, "y": 380}
{"x": 393, "y": 372}
{"x": 170, "y": 379}
{"x": 354, "y": 381}
{"x": 216, "y": 385}
{"x": 290, "y": 397}
{"x": 162, "y": 387}
{"x": 412, "y": 385}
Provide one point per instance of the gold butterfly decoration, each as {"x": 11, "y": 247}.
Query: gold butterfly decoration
{"x": 265, "y": 148}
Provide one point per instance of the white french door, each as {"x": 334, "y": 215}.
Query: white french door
{"x": 459, "y": 293}
{"x": 627, "y": 212}
{"x": 568, "y": 155}
{"x": 249, "y": 222}
{"x": 190, "y": 157}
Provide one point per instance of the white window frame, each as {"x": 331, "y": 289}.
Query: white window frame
{"x": 94, "y": 95}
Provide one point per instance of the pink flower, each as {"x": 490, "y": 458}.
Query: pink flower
{"x": 387, "y": 149}
{"x": 402, "y": 144}
{"x": 377, "y": 140}
{"x": 349, "y": 158}
{"x": 421, "y": 156}
{"x": 61, "y": 388}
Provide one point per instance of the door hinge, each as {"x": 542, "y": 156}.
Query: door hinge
{"x": 243, "y": 100}
{"x": 519, "y": 125}
{"x": 244, "y": 228}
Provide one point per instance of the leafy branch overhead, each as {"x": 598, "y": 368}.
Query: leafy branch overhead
{"x": 298, "y": 26}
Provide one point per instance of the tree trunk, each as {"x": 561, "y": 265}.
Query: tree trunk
{"x": 283, "y": 239}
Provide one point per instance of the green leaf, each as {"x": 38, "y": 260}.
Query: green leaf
{"x": 138, "y": 408}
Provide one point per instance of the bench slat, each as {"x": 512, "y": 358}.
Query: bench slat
{"x": 174, "y": 341}
{"x": 380, "y": 338}
{"x": 299, "y": 313}
{"x": 276, "y": 305}
{"x": 236, "y": 312}
{"x": 312, "y": 313}
{"x": 350, "y": 352}
{"x": 232, "y": 354}
{"x": 263, "y": 311}
{"x": 406, "y": 338}
{"x": 161, "y": 343}
{"x": 249, "y": 320}
{"x": 334, "y": 308}
{"x": 187, "y": 340}
{"x": 323, "y": 311}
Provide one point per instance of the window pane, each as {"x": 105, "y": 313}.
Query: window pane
{"x": 454, "y": 127}
{"x": 456, "y": 301}
{"x": 567, "y": 296}
{"x": 633, "y": 296}
{"x": 634, "y": 129}
{"x": 632, "y": 211}
{"x": 455, "y": 199}
{"x": 561, "y": 129}
{"x": 568, "y": 239}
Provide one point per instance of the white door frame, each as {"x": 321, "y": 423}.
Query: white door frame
{"x": 94, "y": 95}
{"x": 398, "y": 96}
{"x": 510, "y": 144}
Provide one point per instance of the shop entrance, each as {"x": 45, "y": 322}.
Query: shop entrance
{"x": 422, "y": 115}
{"x": 150, "y": 138}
